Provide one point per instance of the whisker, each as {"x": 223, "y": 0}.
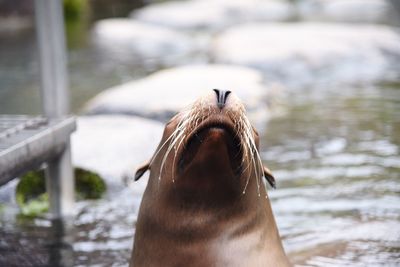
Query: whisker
{"x": 176, "y": 151}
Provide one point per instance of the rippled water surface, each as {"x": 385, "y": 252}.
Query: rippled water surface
{"x": 335, "y": 154}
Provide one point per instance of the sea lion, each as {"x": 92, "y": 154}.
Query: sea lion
{"x": 205, "y": 203}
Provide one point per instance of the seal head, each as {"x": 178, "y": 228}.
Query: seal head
{"x": 205, "y": 203}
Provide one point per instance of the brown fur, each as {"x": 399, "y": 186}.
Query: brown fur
{"x": 205, "y": 203}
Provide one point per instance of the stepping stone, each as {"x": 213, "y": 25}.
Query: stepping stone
{"x": 128, "y": 40}
{"x": 304, "y": 54}
{"x": 215, "y": 15}
{"x": 114, "y": 146}
{"x": 160, "y": 95}
{"x": 354, "y": 11}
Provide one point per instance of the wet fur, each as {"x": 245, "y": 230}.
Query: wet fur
{"x": 230, "y": 223}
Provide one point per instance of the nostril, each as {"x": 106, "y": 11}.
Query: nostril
{"x": 221, "y": 97}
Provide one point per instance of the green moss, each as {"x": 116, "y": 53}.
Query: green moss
{"x": 31, "y": 185}
{"x": 74, "y": 9}
{"x": 88, "y": 185}
{"x": 31, "y": 193}
{"x": 76, "y": 14}
{"x": 35, "y": 207}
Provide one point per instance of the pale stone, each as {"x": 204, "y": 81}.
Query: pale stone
{"x": 114, "y": 146}
{"x": 213, "y": 14}
{"x": 125, "y": 39}
{"x": 357, "y": 11}
{"x": 309, "y": 53}
{"x": 166, "y": 92}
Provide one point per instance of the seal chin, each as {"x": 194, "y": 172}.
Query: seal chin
{"x": 214, "y": 137}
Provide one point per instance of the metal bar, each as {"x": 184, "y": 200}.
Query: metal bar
{"x": 61, "y": 191}
{"x": 51, "y": 39}
{"x": 29, "y": 148}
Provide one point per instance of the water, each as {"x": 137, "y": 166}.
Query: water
{"x": 90, "y": 70}
{"x": 336, "y": 157}
{"x": 334, "y": 152}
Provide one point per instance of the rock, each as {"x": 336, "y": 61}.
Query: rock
{"x": 215, "y": 15}
{"x": 304, "y": 54}
{"x": 114, "y": 146}
{"x": 267, "y": 11}
{"x": 183, "y": 15}
{"x": 356, "y": 11}
{"x": 166, "y": 92}
{"x": 127, "y": 40}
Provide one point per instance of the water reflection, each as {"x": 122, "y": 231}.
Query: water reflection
{"x": 36, "y": 242}
{"x": 60, "y": 244}
{"x": 334, "y": 151}
{"x": 337, "y": 162}
{"x": 335, "y": 154}
{"x": 337, "y": 204}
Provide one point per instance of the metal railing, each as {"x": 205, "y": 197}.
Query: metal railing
{"x": 28, "y": 142}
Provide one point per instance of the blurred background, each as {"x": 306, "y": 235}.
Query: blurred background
{"x": 319, "y": 78}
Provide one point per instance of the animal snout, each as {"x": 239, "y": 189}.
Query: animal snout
{"x": 222, "y": 96}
